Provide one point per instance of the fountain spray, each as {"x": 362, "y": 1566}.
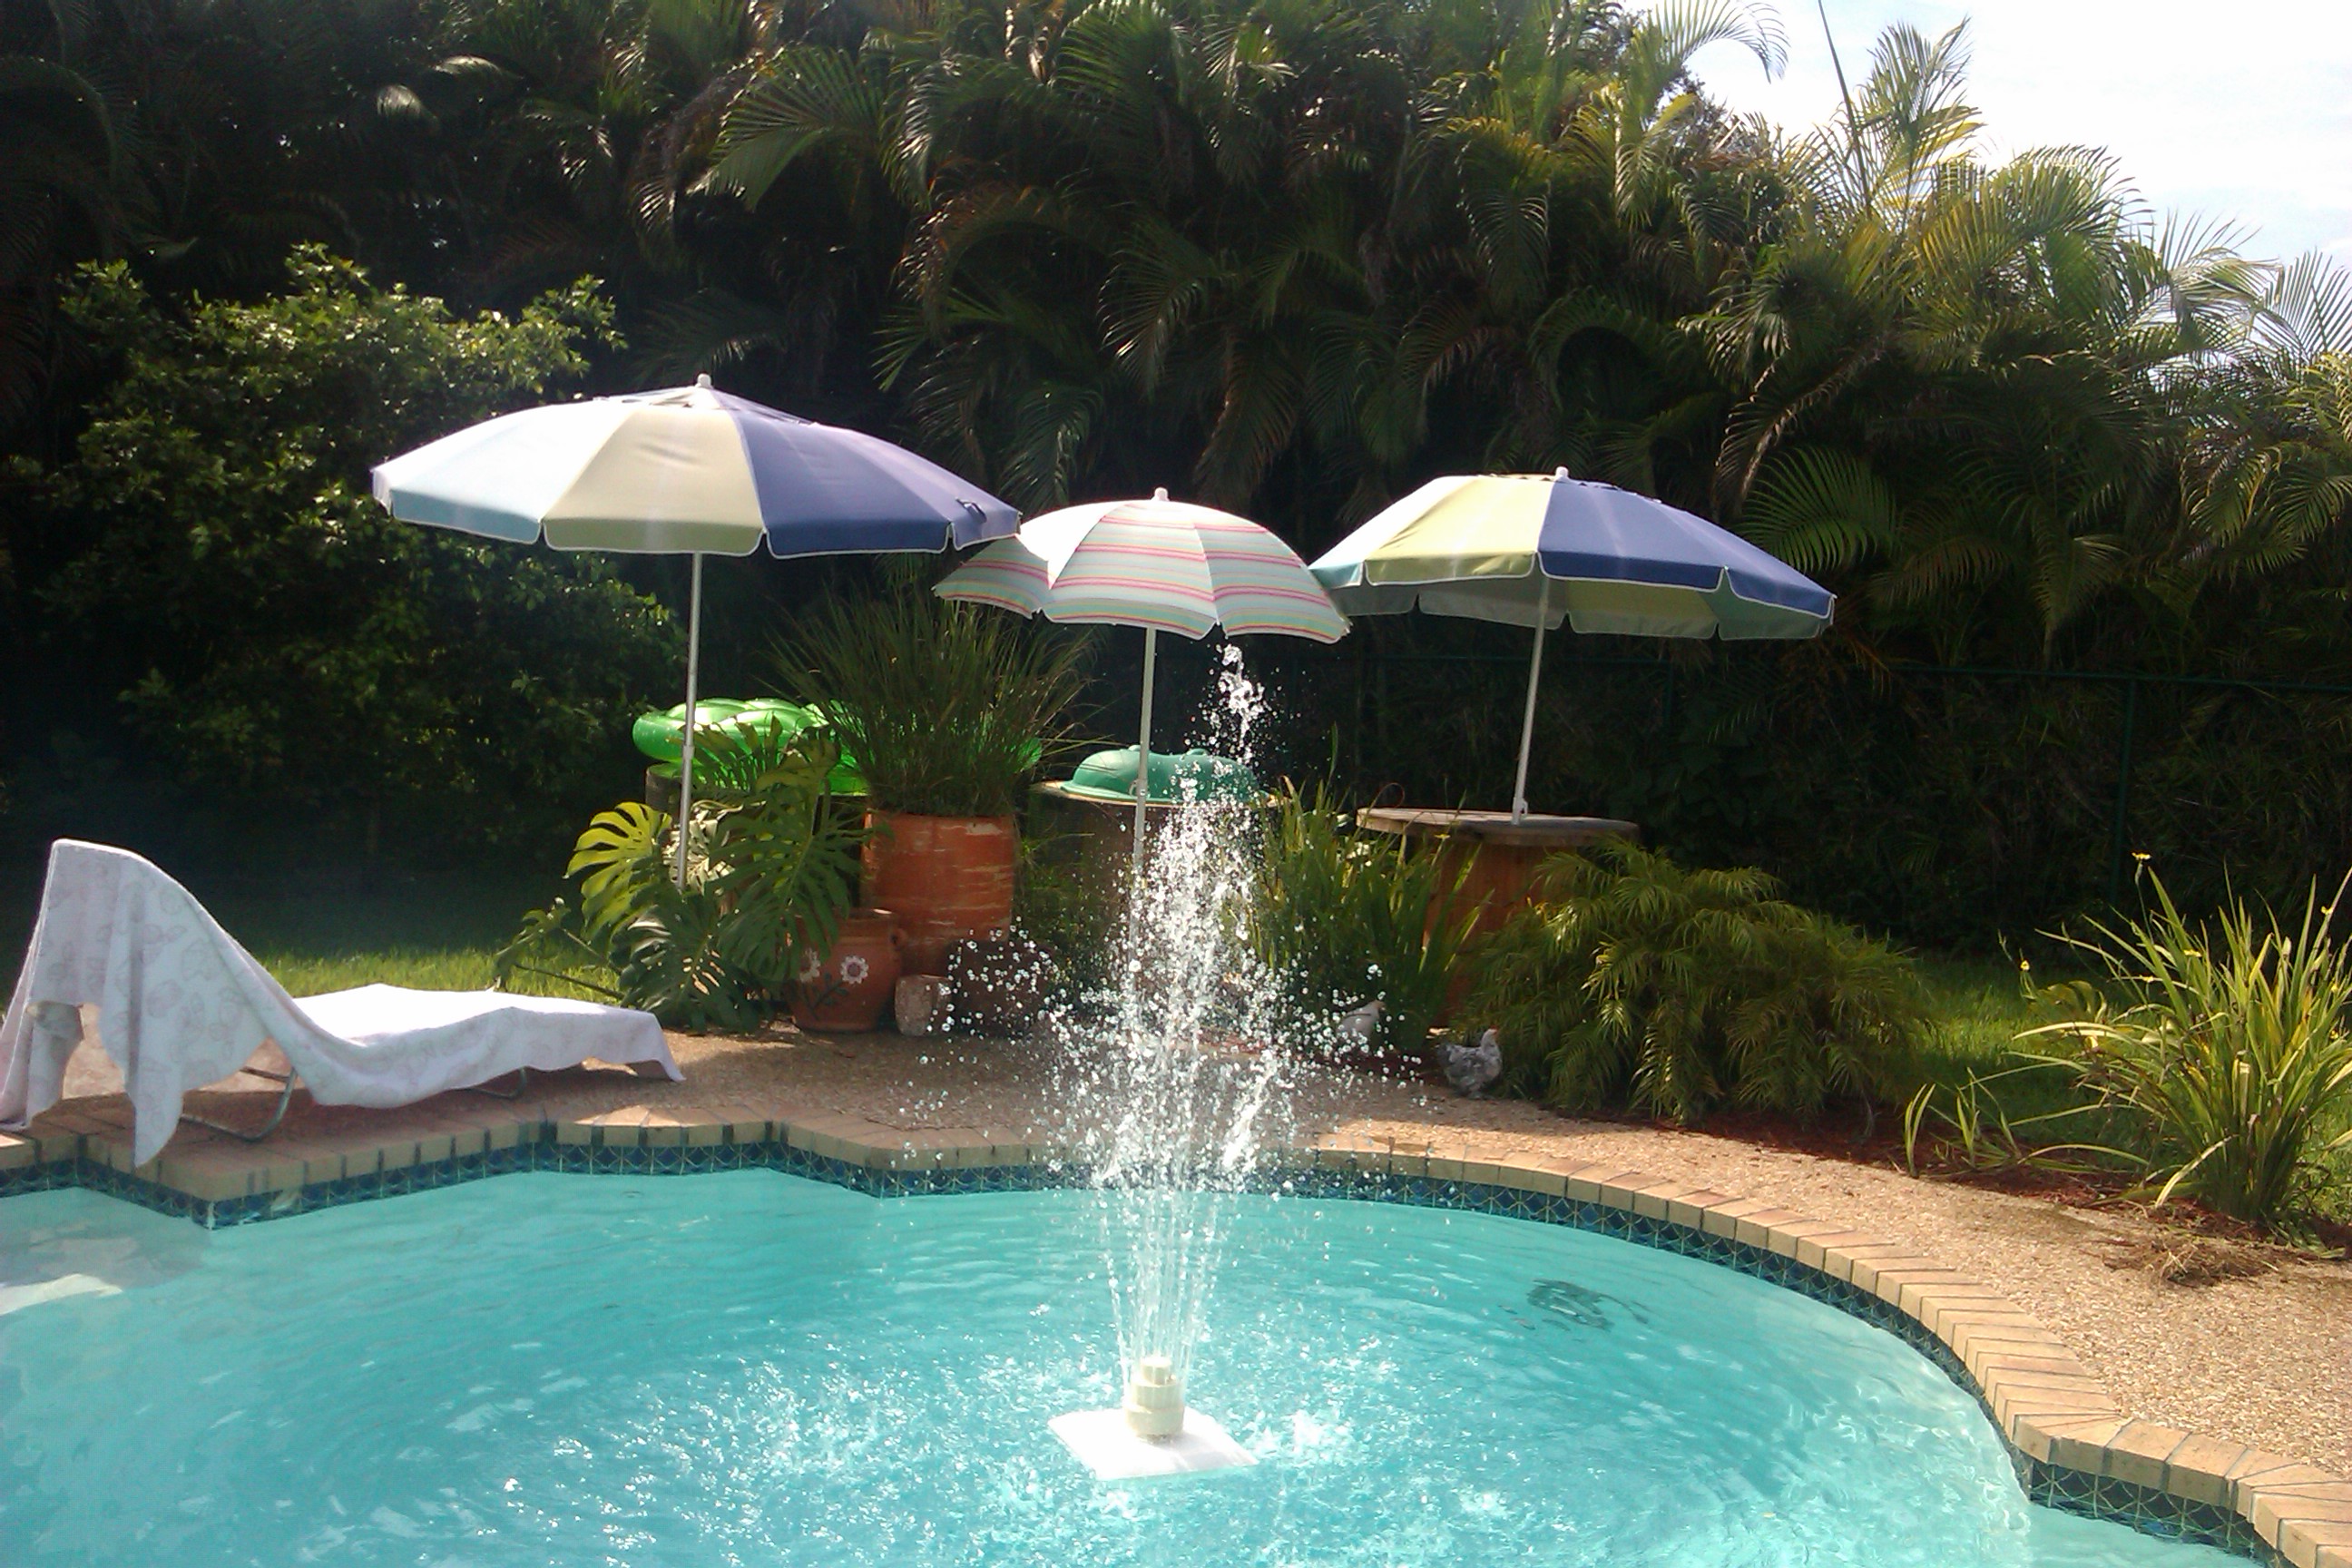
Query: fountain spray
{"x": 1187, "y": 1091}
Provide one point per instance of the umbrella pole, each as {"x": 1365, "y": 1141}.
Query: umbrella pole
{"x": 686, "y": 746}
{"x": 1528, "y": 724}
{"x": 1143, "y": 741}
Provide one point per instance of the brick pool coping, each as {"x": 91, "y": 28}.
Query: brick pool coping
{"x": 2073, "y": 1447}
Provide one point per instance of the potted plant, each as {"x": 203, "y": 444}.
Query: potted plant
{"x": 769, "y": 886}
{"x": 949, "y": 709}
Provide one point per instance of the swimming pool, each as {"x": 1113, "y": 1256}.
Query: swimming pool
{"x": 753, "y": 1368}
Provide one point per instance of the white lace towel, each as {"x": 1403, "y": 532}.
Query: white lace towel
{"x": 179, "y": 1004}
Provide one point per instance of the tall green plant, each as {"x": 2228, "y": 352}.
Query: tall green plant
{"x": 772, "y": 867}
{"x": 948, "y": 708}
{"x": 1636, "y": 983}
{"x": 2225, "y": 1047}
{"x": 1346, "y": 918}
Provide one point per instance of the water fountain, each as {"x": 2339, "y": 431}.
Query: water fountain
{"x": 1176, "y": 1104}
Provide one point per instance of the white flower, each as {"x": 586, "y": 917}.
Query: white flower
{"x": 812, "y": 966}
{"x": 853, "y": 969}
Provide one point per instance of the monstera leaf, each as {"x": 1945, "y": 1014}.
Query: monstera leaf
{"x": 785, "y": 861}
{"x": 618, "y": 861}
{"x": 774, "y": 865}
{"x": 550, "y": 946}
{"x": 669, "y": 960}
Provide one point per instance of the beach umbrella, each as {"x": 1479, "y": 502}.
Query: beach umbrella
{"x": 1530, "y": 551}
{"x": 1161, "y": 564}
{"x": 687, "y": 470}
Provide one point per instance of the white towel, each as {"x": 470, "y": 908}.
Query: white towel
{"x": 179, "y": 1004}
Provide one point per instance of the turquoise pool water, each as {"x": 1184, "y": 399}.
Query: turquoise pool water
{"x": 751, "y": 1369}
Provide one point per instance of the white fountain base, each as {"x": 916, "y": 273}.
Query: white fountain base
{"x": 1106, "y": 1445}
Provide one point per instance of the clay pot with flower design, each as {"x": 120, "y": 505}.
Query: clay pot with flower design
{"x": 847, "y": 988}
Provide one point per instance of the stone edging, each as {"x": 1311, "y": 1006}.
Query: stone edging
{"x": 2073, "y": 1447}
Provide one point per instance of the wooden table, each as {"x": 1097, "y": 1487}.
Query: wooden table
{"x": 1502, "y": 855}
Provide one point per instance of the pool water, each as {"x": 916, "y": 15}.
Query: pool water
{"x": 754, "y": 1368}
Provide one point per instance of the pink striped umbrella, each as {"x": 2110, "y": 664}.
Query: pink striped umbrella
{"x": 1161, "y": 564}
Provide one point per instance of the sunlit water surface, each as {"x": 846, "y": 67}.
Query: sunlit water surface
{"x": 753, "y": 1369}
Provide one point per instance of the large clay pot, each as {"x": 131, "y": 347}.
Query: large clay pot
{"x": 845, "y": 989}
{"x": 944, "y": 879}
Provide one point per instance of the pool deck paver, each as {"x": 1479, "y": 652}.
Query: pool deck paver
{"x": 2044, "y": 1401}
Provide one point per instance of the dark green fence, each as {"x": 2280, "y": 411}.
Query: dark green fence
{"x": 1950, "y": 804}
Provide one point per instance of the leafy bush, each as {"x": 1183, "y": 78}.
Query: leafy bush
{"x": 1345, "y": 918}
{"x": 771, "y": 865}
{"x": 280, "y": 641}
{"x": 948, "y": 708}
{"x": 2223, "y": 1047}
{"x": 1637, "y": 983}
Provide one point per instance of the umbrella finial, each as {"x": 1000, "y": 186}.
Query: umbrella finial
{"x": 702, "y": 378}
{"x": 1160, "y": 493}
{"x": 1558, "y": 473}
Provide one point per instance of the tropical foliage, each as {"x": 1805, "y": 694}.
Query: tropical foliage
{"x": 275, "y": 638}
{"x": 770, "y": 869}
{"x": 1296, "y": 256}
{"x": 1636, "y": 983}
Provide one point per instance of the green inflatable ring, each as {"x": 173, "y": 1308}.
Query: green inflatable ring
{"x": 659, "y": 733}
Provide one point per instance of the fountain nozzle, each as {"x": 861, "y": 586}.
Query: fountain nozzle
{"x": 1151, "y": 1432}
{"x": 1154, "y": 1407}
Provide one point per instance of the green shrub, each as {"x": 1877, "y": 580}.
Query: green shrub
{"x": 948, "y": 708}
{"x": 1344, "y": 918}
{"x": 2223, "y": 1049}
{"x": 1635, "y": 983}
{"x": 772, "y": 864}
{"x": 286, "y": 647}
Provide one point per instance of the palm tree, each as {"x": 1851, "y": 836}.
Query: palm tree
{"x": 1959, "y": 380}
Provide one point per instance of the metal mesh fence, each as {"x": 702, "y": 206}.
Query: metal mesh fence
{"x": 1950, "y": 805}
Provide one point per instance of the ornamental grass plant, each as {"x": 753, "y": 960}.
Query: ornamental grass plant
{"x": 2220, "y": 1047}
{"x": 948, "y": 708}
{"x": 1346, "y": 918}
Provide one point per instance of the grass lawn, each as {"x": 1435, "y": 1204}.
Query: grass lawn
{"x": 1981, "y": 1009}
{"x": 428, "y": 936}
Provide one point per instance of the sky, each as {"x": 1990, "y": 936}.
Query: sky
{"x": 2232, "y": 109}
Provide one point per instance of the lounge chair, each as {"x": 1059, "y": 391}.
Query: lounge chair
{"x": 179, "y": 1004}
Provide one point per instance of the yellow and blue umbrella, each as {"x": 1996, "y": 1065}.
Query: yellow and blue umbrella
{"x": 687, "y": 470}
{"x": 1528, "y": 550}
{"x": 1161, "y": 564}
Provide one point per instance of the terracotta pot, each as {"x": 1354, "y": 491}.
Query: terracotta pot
{"x": 845, "y": 990}
{"x": 944, "y": 879}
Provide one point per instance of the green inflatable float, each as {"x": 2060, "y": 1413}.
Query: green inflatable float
{"x": 660, "y": 733}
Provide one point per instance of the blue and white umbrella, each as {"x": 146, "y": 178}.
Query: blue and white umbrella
{"x": 1531, "y": 551}
{"x": 685, "y": 470}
